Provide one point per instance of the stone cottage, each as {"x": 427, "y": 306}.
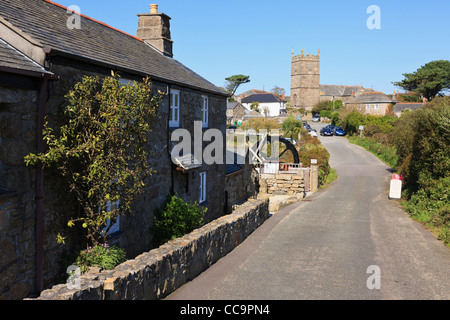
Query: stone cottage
{"x": 371, "y": 103}
{"x": 45, "y": 49}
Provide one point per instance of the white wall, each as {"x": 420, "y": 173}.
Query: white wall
{"x": 274, "y": 108}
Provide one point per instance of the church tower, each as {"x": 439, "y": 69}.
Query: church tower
{"x": 305, "y": 80}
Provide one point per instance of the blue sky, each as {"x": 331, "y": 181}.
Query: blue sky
{"x": 220, "y": 38}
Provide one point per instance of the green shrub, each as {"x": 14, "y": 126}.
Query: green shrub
{"x": 102, "y": 256}
{"x": 175, "y": 219}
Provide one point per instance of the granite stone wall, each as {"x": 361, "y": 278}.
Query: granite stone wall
{"x": 155, "y": 274}
{"x": 283, "y": 184}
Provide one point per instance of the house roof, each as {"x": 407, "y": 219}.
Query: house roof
{"x": 232, "y": 105}
{"x": 262, "y": 97}
{"x": 340, "y": 90}
{"x": 250, "y": 92}
{"x": 13, "y": 59}
{"x": 97, "y": 43}
{"x": 399, "y": 107}
{"x": 371, "y": 97}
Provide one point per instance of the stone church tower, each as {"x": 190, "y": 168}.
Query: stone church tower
{"x": 305, "y": 80}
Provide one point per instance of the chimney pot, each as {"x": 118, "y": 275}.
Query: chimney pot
{"x": 153, "y": 8}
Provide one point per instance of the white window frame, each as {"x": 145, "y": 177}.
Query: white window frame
{"x": 202, "y": 198}
{"x": 377, "y": 107}
{"x": 174, "y": 108}
{"x": 116, "y": 226}
{"x": 205, "y": 112}
{"x": 367, "y": 106}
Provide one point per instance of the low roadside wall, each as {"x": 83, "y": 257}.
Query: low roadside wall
{"x": 157, "y": 273}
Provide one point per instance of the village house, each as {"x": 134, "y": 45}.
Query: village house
{"x": 41, "y": 58}
{"x": 371, "y": 103}
{"x": 235, "y": 112}
{"x": 340, "y": 92}
{"x": 267, "y": 104}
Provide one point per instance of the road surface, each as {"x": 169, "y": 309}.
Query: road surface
{"x": 346, "y": 242}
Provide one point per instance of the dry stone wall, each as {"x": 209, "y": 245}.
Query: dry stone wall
{"x": 155, "y": 274}
{"x": 283, "y": 184}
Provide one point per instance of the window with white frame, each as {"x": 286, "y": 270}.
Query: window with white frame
{"x": 111, "y": 206}
{"x": 367, "y": 106}
{"x": 205, "y": 112}
{"x": 202, "y": 187}
{"x": 174, "y": 117}
{"x": 376, "y": 107}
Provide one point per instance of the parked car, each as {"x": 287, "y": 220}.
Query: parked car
{"x": 338, "y": 131}
{"x": 326, "y": 131}
{"x": 316, "y": 118}
{"x": 330, "y": 126}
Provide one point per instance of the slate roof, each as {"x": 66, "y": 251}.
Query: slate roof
{"x": 399, "y": 107}
{"x": 232, "y": 105}
{"x": 339, "y": 90}
{"x": 15, "y": 60}
{"x": 371, "y": 97}
{"x": 46, "y": 22}
{"x": 262, "y": 97}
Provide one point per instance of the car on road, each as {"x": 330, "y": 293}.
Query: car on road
{"x": 330, "y": 126}
{"x": 316, "y": 118}
{"x": 327, "y": 131}
{"x": 338, "y": 131}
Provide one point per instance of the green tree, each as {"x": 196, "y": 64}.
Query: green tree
{"x": 255, "y": 106}
{"x": 292, "y": 127}
{"x": 430, "y": 80}
{"x": 234, "y": 82}
{"x": 352, "y": 122}
{"x": 102, "y": 149}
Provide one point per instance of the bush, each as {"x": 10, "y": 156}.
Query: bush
{"x": 176, "y": 219}
{"x": 102, "y": 256}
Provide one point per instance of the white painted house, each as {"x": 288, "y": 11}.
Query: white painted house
{"x": 269, "y": 104}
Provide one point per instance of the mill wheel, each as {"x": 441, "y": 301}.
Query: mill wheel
{"x": 289, "y": 148}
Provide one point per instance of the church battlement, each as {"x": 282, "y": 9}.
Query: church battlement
{"x": 303, "y": 56}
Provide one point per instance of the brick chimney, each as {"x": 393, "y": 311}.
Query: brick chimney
{"x": 154, "y": 28}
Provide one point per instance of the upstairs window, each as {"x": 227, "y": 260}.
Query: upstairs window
{"x": 367, "y": 106}
{"x": 376, "y": 107}
{"x": 205, "y": 112}
{"x": 174, "y": 110}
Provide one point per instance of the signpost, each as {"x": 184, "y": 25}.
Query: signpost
{"x": 361, "y": 129}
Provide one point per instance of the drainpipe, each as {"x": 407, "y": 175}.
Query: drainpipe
{"x": 40, "y": 187}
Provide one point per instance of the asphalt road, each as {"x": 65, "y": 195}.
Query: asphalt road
{"x": 331, "y": 246}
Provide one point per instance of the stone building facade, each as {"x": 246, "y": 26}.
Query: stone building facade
{"x": 306, "y": 89}
{"x": 41, "y": 59}
{"x": 305, "y": 80}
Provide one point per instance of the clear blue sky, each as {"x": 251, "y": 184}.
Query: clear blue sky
{"x": 220, "y": 38}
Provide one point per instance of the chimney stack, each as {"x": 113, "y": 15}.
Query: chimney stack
{"x": 154, "y": 28}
